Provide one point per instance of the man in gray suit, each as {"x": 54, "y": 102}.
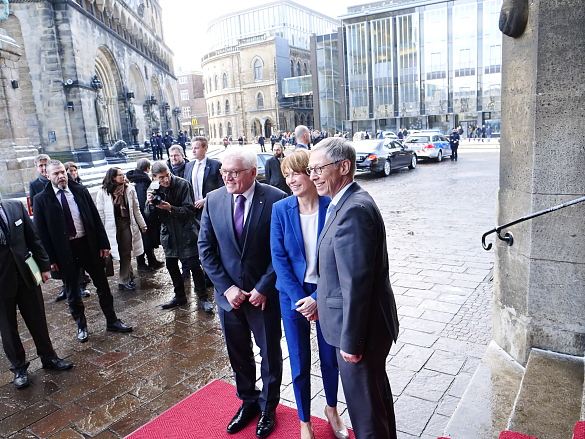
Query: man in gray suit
{"x": 234, "y": 247}
{"x": 356, "y": 305}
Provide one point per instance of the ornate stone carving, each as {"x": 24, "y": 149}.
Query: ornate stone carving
{"x": 4, "y": 14}
{"x": 101, "y": 112}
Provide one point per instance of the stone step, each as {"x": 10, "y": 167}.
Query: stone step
{"x": 486, "y": 405}
{"x": 549, "y": 401}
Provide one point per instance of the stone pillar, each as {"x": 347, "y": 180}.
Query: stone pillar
{"x": 16, "y": 152}
{"x": 540, "y": 280}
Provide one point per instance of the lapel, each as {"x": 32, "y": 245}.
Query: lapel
{"x": 295, "y": 221}
{"x": 256, "y": 209}
{"x": 206, "y": 171}
{"x": 228, "y": 208}
{"x": 350, "y": 191}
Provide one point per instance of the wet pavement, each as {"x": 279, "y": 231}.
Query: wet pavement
{"x": 435, "y": 216}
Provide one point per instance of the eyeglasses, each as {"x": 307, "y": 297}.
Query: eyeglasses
{"x": 319, "y": 169}
{"x": 232, "y": 173}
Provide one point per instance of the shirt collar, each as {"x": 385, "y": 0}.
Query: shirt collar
{"x": 248, "y": 194}
{"x": 202, "y": 161}
{"x": 337, "y": 197}
{"x": 56, "y": 189}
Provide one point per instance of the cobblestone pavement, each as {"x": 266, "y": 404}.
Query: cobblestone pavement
{"x": 435, "y": 216}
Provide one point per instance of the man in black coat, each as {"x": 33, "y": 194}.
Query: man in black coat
{"x": 17, "y": 238}
{"x": 202, "y": 172}
{"x": 74, "y": 237}
{"x": 150, "y": 238}
{"x": 177, "y": 161}
{"x": 454, "y": 143}
{"x": 178, "y": 233}
{"x": 234, "y": 243}
{"x": 38, "y": 184}
{"x": 273, "y": 173}
{"x": 168, "y": 142}
{"x": 182, "y": 140}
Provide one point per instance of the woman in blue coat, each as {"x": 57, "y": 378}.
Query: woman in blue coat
{"x": 295, "y": 226}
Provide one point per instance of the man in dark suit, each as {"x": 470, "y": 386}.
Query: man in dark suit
{"x": 72, "y": 232}
{"x": 273, "y": 173}
{"x": 38, "y": 184}
{"x": 356, "y": 305}
{"x": 17, "y": 238}
{"x": 234, "y": 246}
{"x": 303, "y": 136}
{"x": 202, "y": 172}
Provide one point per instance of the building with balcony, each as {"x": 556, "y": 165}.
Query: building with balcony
{"x": 92, "y": 72}
{"x": 252, "y": 54}
{"x": 412, "y": 64}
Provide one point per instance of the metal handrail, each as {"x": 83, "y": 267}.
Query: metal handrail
{"x": 508, "y": 237}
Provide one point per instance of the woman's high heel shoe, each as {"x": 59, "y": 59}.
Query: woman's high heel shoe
{"x": 341, "y": 434}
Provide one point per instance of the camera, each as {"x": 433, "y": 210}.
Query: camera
{"x": 157, "y": 196}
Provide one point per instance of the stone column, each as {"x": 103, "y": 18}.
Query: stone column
{"x": 540, "y": 280}
{"x": 16, "y": 152}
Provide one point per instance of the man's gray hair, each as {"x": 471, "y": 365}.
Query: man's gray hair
{"x": 177, "y": 148}
{"x": 248, "y": 157}
{"x": 143, "y": 165}
{"x": 337, "y": 149}
{"x": 300, "y": 130}
{"x": 158, "y": 167}
{"x": 41, "y": 157}
{"x": 54, "y": 163}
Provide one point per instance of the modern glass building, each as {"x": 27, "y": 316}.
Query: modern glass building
{"x": 419, "y": 64}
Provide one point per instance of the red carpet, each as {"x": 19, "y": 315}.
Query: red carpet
{"x": 512, "y": 435}
{"x": 206, "y": 414}
{"x": 579, "y": 432}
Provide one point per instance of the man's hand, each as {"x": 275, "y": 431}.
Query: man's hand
{"x": 164, "y": 206}
{"x": 143, "y": 229}
{"x": 104, "y": 253}
{"x": 236, "y": 296}
{"x": 199, "y": 204}
{"x": 46, "y": 275}
{"x": 257, "y": 299}
{"x": 54, "y": 267}
{"x": 307, "y": 306}
{"x": 350, "y": 358}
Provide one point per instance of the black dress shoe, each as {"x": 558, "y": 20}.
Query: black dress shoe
{"x": 61, "y": 296}
{"x": 206, "y": 305}
{"x": 174, "y": 302}
{"x": 266, "y": 424}
{"x": 82, "y": 335}
{"x": 57, "y": 364}
{"x": 156, "y": 264}
{"x": 84, "y": 292}
{"x": 144, "y": 268}
{"x": 21, "y": 379}
{"x": 242, "y": 418}
{"x": 118, "y": 326}
{"x": 126, "y": 287}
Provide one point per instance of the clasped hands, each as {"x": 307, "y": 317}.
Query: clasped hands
{"x": 307, "y": 306}
{"x": 236, "y": 296}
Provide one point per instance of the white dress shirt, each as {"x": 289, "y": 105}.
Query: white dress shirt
{"x": 249, "y": 195}
{"x": 197, "y": 178}
{"x": 74, "y": 211}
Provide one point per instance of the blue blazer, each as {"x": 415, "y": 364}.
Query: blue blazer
{"x": 288, "y": 250}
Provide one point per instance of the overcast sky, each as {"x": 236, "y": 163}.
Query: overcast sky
{"x": 185, "y": 22}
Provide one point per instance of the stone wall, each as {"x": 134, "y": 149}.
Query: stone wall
{"x": 540, "y": 280}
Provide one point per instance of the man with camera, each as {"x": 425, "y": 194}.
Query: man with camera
{"x": 170, "y": 199}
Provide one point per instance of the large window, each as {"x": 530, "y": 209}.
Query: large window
{"x": 382, "y": 67}
{"x": 224, "y": 80}
{"x": 218, "y": 108}
{"x": 260, "y": 100}
{"x": 227, "y": 106}
{"x": 357, "y": 68}
{"x": 408, "y": 64}
{"x": 184, "y": 95}
{"x": 216, "y": 81}
{"x": 229, "y": 129}
{"x": 182, "y": 79}
{"x": 186, "y": 111}
{"x": 258, "y": 69}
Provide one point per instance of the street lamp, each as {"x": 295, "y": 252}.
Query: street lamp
{"x": 96, "y": 84}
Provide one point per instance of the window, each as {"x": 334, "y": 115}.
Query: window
{"x": 182, "y": 79}
{"x": 260, "y": 101}
{"x": 212, "y": 110}
{"x": 218, "y": 109}
{"x": 292, "y": 68}
{"x": 216, "y": 79}
{"x": 298, "y": 68}
{"x": 258, "y": 70}
{"x": 184, "y": 95}
{"x": 186, "y": 111}
{"x": 227, "y": 106}
{"x": 224, "y": 80}
{"x": 305, "y": 70}
{"x": 229, "y": 129}
{"x": 221, "y": 130}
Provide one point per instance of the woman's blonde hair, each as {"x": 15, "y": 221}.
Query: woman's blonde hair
{"x": 296, "y": 162}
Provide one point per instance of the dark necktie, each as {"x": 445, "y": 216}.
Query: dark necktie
{"x": 239, "y": 216}
{"x": 4, "y": 232}
{"x": 67, "y": 213}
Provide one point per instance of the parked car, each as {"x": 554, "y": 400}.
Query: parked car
{"x": 262, "y": 157}
{"x": 382, "y": 156}
{"x": 429, "y": 145}
{"x": 387, "y": 135}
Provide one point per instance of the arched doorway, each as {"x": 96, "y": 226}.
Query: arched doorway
{"x": 107, "y": 106}
{"x": 268, "y": 128}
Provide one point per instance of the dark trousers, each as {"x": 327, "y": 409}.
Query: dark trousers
{"x": 124, "y": 240}
{"x": 32, "y": 309}
{"x": 238, "y": 325}
{"x": 454, "y": 152}
{"x": 297, "y": 330}
{"x": 91, "y": 264}
{"x": 194, "y": 266}
{"x": 368, "y": 393}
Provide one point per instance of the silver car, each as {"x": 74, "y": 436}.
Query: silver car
{"x": 429, "y": 145}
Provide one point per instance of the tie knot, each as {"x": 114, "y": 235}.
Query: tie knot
{"x": 240, "y": 199}
{"x": 330, "y": 208}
